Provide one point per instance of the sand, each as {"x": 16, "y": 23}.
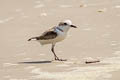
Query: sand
{"x": 96, "y": 38}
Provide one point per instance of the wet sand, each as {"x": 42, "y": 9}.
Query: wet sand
{"x": 96, "y": 38}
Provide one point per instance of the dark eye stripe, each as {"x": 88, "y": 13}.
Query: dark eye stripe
{"x": 62, "y": 24}
{"x": 65, "y": 23}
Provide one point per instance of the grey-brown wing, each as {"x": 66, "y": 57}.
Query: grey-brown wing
{"x": 47, "y": 35}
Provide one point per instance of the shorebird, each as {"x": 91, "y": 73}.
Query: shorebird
{"x": 54, "y": 35}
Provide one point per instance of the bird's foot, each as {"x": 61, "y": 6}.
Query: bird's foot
{"x": 57, "y": 59}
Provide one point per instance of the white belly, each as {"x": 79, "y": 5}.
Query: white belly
{"x": 50, "y": 41}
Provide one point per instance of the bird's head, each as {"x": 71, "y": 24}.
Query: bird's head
{"x": 65, "y": 25}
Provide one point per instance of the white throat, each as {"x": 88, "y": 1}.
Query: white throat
{"x": 63, "y": 28}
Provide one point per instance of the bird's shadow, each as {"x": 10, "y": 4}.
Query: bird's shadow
{"x": 35, "y": 62}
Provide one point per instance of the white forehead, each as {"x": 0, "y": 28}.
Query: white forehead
{"x": 68, "y": 22}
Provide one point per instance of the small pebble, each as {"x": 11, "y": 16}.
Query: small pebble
{"x": 83, "y": 5}
{"x": 101, "y": 10}
{"x": 88, "y": 62}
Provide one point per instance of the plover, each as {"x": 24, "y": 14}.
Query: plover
{"x": 54, "y": 35}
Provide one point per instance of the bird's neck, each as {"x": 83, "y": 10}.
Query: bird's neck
{"x": 63, "y": 28}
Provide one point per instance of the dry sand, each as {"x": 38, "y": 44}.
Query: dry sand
{"x": 97, "y": 37}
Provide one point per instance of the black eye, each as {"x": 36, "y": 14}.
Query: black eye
{"x": 65, "y": 23}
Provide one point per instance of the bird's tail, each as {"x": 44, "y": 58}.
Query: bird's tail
{"x": 33, "y": 38}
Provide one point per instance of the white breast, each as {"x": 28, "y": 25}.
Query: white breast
{"x": 61, "y": 36}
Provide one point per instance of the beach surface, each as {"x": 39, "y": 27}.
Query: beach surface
{"x": 96, "y": 38}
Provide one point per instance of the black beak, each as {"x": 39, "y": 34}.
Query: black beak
{"x": 73, "y": 26}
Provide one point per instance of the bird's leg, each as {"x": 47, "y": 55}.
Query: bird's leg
{"x": 56, "y": 58}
